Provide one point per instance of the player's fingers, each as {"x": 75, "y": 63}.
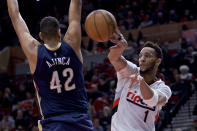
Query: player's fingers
{"x": 133, "y": 78}
{"x": 115, "y": 41}
{"x": 123, "y": 43}
{"x": 114, "y": 47}
{"x": 120, "y": 42}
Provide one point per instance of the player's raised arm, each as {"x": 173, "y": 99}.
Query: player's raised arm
{"x": 115, "y": 54}
{"x": 28, "y": 43}
{"x": 73, "y": 34}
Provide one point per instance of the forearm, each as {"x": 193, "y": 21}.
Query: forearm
{"x": 75, "y": 10}
{"x": 115, "y": 53}
{"x": 151, "y": 97}
{"x": 119, "y": 63}
{"x": 146, "y": 91}
{"x": 13, "y": 8}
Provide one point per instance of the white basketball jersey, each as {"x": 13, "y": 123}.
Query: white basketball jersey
{"x": 133, "y": 114}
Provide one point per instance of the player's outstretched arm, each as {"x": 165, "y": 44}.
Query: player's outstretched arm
{"x": 152, "y": 97}
{"x": 73, "y": 34}
{"x": 115, "y": 54}
{"x": 28, "y": 43}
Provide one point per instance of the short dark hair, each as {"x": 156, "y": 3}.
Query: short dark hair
{"x": 49, "y": 27}
{"x": 156, "y": 47}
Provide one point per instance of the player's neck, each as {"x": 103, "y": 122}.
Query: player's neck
{"x": 149, "y": 77}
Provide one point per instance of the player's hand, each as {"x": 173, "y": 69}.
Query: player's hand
{"x": 118, "y": 39}
{"x": 135, "y": 79}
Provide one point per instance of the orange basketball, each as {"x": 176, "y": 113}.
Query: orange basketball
{"x": 100, "y": 25}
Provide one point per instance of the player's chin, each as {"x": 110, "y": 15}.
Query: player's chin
{"x": 143, "y": 69}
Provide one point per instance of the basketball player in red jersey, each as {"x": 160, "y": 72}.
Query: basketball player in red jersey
{"x": 140, "y": 95}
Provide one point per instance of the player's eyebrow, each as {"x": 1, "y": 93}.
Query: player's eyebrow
{"x": 146, "y": 53}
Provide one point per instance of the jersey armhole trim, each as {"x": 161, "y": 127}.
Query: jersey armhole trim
{"x": 37, "y": 62}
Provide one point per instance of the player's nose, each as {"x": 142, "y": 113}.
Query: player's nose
{"x": 142, "y": 59}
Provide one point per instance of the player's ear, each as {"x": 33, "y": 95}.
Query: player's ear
{"x": 59, "y": 33}
{"x": 40, "y": 35}
{"x": 158, "y": 61}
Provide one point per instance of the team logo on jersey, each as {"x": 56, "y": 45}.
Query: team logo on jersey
{"x": 55, "y": 54}
{"x": 133, "y": 98}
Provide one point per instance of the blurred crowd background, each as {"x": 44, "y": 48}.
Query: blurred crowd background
{"x": 18, "y": 105}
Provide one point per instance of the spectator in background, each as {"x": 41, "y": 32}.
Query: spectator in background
{"x": 20, "y": 121}
{"x": 103, "y": 84}
{"x": 187, "y": 16}
{"x": 8, "y": 99}
{"x": 34, "y": 128}
{"x": 146, "y": 22}
{"x": 7, "y": 123}
{"x": 97, "y": 126}
{"x": 173, "y": 16}
{"x": 187, "y": 77}
{"x": 184, "y": 73}
{"x": 190, "y": 55}
{"x": 184, "y": 45}
{"x": 106, "y": 118}
{"x": 130, "y": 22}
{"x": 100, "y": 103}
{"x": 190, "y": 58}
{"x": 21, "y": 92}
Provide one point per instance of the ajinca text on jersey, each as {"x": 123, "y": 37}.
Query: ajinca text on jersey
{"x": 58, "y": 61}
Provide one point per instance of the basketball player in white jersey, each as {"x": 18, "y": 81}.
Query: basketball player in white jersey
{"x": 140, "y": 95}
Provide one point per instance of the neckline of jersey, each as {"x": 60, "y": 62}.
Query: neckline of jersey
{"x": 54, "y": 48}
{"x": 158, "y": 79}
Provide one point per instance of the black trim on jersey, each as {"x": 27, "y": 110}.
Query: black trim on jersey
{"x": 149, "y": 108}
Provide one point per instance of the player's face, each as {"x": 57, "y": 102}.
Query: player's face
{"x": 147, "y": 59}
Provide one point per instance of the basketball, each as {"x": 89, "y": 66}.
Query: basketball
{"x": 100, "y": 25}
